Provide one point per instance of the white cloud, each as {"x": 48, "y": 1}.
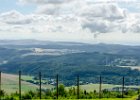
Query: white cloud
{"x": 14, "y": 17}
{"x": 108, "y": 11}
{"x": 42, "y": 2}
{"x": 66, "y": 1}
{"x": 103, "y": 18}
{"x": 78, "y": 20}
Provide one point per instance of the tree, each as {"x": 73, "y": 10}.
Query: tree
{"x": 61, "y": 90}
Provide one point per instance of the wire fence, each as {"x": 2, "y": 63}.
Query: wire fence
{"x": 39, "y": 85}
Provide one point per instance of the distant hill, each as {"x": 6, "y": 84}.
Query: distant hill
{"x": 71, "y": 59}
{"x": 102, "y": 48}
{"x": 88, "y": 65}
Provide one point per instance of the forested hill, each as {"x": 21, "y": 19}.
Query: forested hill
{"x": 88, "y": 65}
{"x": 70, "y": 59}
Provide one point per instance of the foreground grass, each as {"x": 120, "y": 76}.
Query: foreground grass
{"x": 134, "y": 98}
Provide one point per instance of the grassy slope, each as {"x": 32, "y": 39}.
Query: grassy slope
{"x": 10, "y": 84}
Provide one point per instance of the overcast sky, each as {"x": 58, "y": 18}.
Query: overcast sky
{"x": 89, "y": 21}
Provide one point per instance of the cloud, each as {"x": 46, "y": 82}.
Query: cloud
{"x": 14, "y": 17}
{"x": 108, "y": 11}
{"x": 97, "y": 26}
{"x": 42, "y": 2}
{"x": 67, "y": 1}
{"x": 103, "y": 18}
{"x": 135, "y": 27}
{"x": 35, "y": 23}
{"x": 94, "y": 18}
{"x": 65, "y": 18}
{"x": 48, "y": 9}
{"x": 97, "y": 18}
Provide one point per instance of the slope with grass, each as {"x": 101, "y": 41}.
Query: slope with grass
{"x": 10, "y": 83}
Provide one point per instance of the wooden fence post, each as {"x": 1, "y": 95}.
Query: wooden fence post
{"x": 57, "y": 94}
{"x": 100, "y": 88}
{"x": 19, "y": 85}
{"x": 123, "y": 88}
{"x": 0, "y": 85}
{"x": 78, "y": 88}
{"x": 40, "y": 85}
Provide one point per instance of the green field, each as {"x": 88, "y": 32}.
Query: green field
{"x": 10, "y": 83}
{"x": 92, "y": 87}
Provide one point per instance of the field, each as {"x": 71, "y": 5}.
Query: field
{"x": 10, "y": 83}
{"x": 92, "y": 87}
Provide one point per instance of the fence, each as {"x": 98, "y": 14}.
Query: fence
{"x": 57, "y": 85}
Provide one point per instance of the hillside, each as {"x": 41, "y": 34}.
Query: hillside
{"x": 71, "y": 59}
{"x": 88, "y": 65}
{"x": 10, "y": 84}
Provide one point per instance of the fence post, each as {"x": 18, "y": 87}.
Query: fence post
{"x": 40, "y": 85}
{"x": 57, "y": 86}
{"x": 100, "y": 88}
{"x": 123, "y": 88}
{"x": 0, "y": 85}
{"x": 19, "y": 85}
{"x": 78, "y": 89}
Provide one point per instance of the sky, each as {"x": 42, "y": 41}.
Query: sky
{"x": 88, "y": 21}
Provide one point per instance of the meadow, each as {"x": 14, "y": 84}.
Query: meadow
{"x": 10, "y": 87}
{"x": 10, "y": 84}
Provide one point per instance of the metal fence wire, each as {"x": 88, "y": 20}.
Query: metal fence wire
{"x": 19, "y": 85}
